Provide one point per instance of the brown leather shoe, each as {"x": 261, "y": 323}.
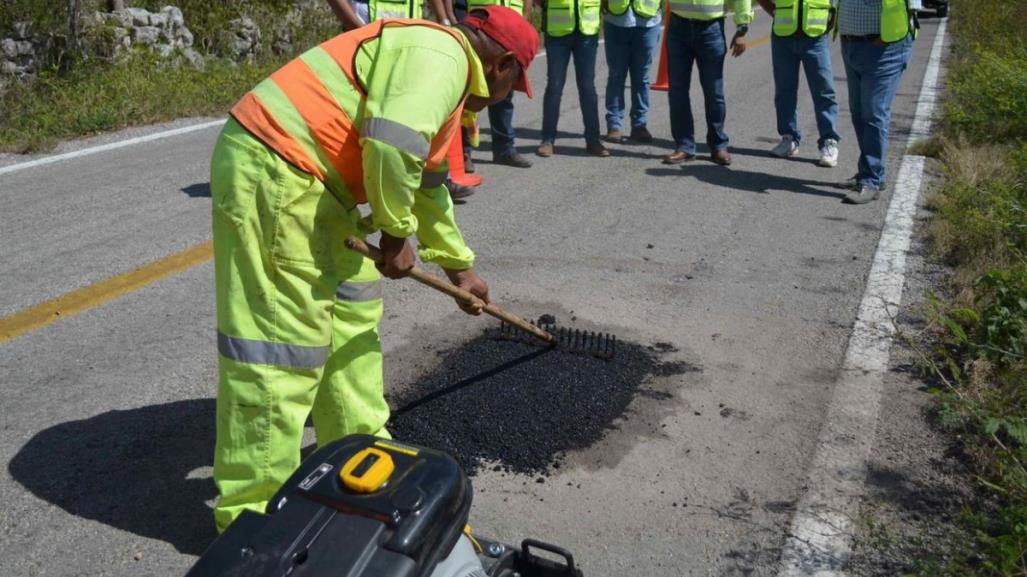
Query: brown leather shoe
{"x": 615, "y": 136}
{"x": 597, "y": 149}
{"x": 545, "y": 149}
{"x": 678, "y": 157}
{"x": 721, "y": 157}
{"x": 641, "y": 135}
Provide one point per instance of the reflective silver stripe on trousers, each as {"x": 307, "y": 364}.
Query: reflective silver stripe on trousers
{"x": 559, "y": 19}
{"x": 398, "y": 135}
{"x": 433, "y": 179}
{"x": 815, "y": 21}
{"x": 359, "y": 291}
{"x": 785, "y": 20}
{"x": 267, "y": 353}
{"x": 690, "y": 7}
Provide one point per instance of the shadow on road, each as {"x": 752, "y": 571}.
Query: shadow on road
{"x": 140, "y": 470}
{"x": 761, "y": 153}
{"x": 198, "y": 190}
{"x": 756, "y": 182}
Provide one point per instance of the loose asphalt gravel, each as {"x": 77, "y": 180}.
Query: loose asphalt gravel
{"x": 520, "y": 408}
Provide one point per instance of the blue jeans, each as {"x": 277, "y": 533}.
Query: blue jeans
{"x": 814, "y": 55}
{"x": 628, "y": 49}
{"x": 559, "y": 51}
{"x": 702, "y": 43}
{"x": 500, "y": 114}
{"x": 874, "y": 71}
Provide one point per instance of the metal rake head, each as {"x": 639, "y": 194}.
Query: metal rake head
{"x": 600, "y": 345}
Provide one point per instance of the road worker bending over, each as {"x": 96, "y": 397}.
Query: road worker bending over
{"x": 365, "y": 117}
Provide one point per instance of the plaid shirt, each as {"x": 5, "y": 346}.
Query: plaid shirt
{"x": 863, "y": 17}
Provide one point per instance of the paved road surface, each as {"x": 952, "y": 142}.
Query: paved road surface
{"x": 753, "y": 274}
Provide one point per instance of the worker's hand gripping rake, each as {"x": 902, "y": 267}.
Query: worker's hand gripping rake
{"x": 513, "y": 327}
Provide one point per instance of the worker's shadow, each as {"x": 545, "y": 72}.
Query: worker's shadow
{"x": 145, "y": 471}
{"x": 756, "y": 182}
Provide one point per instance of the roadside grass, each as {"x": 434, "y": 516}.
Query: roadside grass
{"x": 973, "y": 350}
{"x": 84, "y": 92}
{"x": 95, "y": 98}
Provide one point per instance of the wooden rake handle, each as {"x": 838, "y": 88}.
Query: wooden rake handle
{"x": 424, "y": 277}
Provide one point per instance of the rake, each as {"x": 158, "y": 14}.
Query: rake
{"x": 513, "y": 327}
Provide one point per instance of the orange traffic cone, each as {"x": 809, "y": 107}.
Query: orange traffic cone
{"x": 455, "y": 156}
{"x": 662, "y": 78}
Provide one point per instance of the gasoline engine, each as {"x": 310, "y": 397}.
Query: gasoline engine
{"x": 369, "y": 507}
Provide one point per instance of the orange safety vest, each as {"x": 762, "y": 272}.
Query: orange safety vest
{"x": 328, "y": 116}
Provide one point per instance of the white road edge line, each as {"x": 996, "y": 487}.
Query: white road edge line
{"x": 131, "y": 141}
{"x": 110, "y": 146}
{"x": 820, "y": 539}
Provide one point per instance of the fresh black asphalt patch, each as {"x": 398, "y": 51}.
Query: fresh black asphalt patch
{"x": 495, "y": 401}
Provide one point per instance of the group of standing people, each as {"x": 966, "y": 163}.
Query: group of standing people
{"x": 876, "y": 39}
{"x": 368, "y": 118}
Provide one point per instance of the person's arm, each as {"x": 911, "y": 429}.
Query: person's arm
{"x": 450, "y": 13}
{"x": 768, "y": 6}
{"x": 527, "y": 9}
{"x": 404, "y": 111}
{"x": 743, "y": 17}
{"x": 438, "y": 9}
{"x": 346, "y": 15}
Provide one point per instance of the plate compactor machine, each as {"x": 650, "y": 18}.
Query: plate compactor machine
{"x": 368, "y": 507}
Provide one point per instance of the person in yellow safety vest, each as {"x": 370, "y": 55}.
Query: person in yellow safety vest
{"x": 501, "y": 114}
{"x": 364, "y": 118}
{"x": 877, "y": 43}
{"x": 631, "y": 29}
{"x": 356, "y": 13}
{"x": 695, "y": 34}
{"x": 800, "y": 38}
{"x": 571, "y": 30}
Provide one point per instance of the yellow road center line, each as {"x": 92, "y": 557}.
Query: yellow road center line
{"x": 759, "y": 41}
{"x": 77, "y": 301}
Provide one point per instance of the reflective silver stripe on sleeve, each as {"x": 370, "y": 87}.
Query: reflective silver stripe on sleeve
{"x": 267, "y": 353}
{"x": 398, "y": 135}
{"x": 559, "y": 19}
{"x": 816, "y": 21}
{"x": 359, "y": 291}
{"x": 691, "y": 7}
{"x": 785, "y": 20}
{"x": 431, "y": 180}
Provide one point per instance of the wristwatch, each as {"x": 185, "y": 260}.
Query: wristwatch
{"x": 742, "y": 30}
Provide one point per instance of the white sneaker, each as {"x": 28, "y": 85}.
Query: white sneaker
{"x": 829, "y": 153}
{"x": 787, "y": 148}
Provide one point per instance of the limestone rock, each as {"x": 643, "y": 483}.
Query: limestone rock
{"x": 146, "y": 35}
{"x": 22, "y": 30}
{"x": 174, "y": 16}
{"x": 140, "y": 16}
{"x": 9, "y": 48}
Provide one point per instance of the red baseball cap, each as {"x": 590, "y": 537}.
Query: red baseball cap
{"x": 513, "y": 32}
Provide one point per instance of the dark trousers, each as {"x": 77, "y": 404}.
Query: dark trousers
{"x": 500, "y": 115}
{"x": 701, "y": 43}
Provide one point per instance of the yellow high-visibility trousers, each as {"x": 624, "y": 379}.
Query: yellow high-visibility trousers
{"x": 297, "y": 317}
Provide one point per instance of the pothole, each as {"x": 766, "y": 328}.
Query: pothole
{"x": 515, "y": 407}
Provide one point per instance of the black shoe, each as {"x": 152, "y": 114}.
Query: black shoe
{"x": 513, "y": 159}
{"x": 468, "y": 163}
{"x": 597, "y": 149}
{"x": 641, "y": 135}
{"x": 862, "y": 195}
{"x": 458, "y": 191}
